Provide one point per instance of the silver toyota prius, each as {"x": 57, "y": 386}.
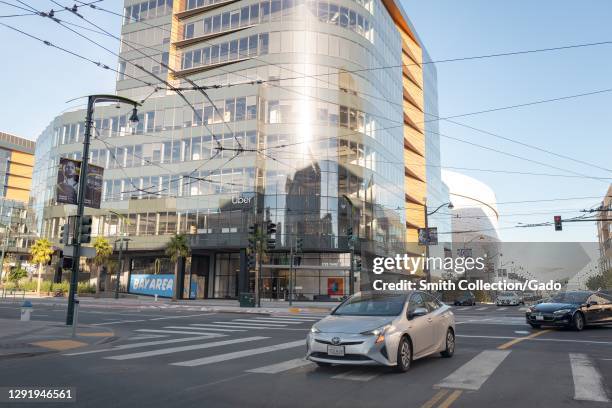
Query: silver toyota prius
{"x": 388, "y": 328}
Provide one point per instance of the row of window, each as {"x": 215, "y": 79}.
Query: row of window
{"x": 191, "y": 4}
{"x": 251, "y": 46}
{"x": 277, "y": 10}
{"x": 146, "y": 10}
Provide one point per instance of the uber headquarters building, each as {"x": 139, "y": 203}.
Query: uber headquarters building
{"x": 310, "y": 113}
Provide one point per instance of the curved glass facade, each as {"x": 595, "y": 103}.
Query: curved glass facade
{"x": 298, "y": 124}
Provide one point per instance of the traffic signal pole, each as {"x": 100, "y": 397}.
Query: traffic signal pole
{"x": 74, "y": 279}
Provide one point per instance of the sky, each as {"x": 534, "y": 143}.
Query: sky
{"x": 40, "y": 79}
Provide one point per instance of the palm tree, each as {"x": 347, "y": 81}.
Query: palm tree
{"x": 104, "y": 250}
{"x": 41, "y": 252}
{"x": 177, "y": 249}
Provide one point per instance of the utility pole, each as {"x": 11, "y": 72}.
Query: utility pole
{"x": 74, "y": 279}
{"x": 351, "y": 244}
{"x": 448, "y": 205}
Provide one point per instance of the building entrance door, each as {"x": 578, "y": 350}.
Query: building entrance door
{"x": 276, "y": 286}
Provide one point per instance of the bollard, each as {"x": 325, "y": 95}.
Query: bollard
{"x": 156, "y": 297}
{"x": 75, "y": 317}
{"x": 26, "y": 311}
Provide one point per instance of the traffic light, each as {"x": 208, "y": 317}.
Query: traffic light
{"x": 64, "y": 234}
{"x": 271, "y": 230}
{"x": 299, "y": 245}
{"x": 66, "y": 263}
{"x": 252, "y": 247}
{"x": 558, "y": 223}
{"x": 349, "y": 233}
{"x": 357, "y": 265}
{"x": 251, "y": 260}
{"x": 85, "y": 229}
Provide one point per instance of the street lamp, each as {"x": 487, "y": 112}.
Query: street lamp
{"x": 91, "y": 102}
{"x": 351, "y": 245}
{"x": 448, "y": 205}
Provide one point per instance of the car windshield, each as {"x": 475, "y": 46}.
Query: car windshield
{"x": 569, "y": 297}
{"x": 372, "y": 304}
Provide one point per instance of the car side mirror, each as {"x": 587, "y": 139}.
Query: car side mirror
{"x": 592, "y": 303}
{"x": 419, "y": 311}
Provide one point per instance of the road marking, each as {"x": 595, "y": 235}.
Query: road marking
{"x": 238, "y": 321}
{"x": 519, "y": 339}
{"x": 502, "y": 309}
{"x": 215, "y": 327}
{"x": 482, "y": 308}
{"x": 145, "y": 344}
{"x": 588, "y": 384}
{"x": 280, "y": 367}
{"x": 475, "y": 372}
{"x": 521, "y": 332}
{"x": 284, "y": 321}
{"x": 357, "y": 375}
{"x": 433, "y": 400}
{"x": 60, "y": 344}
{"x": 182, "y": 317}
{"x": 96, "y": 334}
{"x": 450, "y": 399}
{"x": 528, "y": 339}
{"x": 265, "y": 321}
{"x": 227, "y": 326}
{"x": 178, "y": 332}
{"x": 146, "y": 336}
{"x": 294, "y": 318}
{"x": 302, "y": 316}
{"x": 201, "y": 328}
{"x": 118, "y": 322}
{"x": 523, "y": 309}
{"x": 239, "y": 354}
{"x": 179, "y": 349}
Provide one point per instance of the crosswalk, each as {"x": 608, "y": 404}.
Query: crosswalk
{"x": 490, "y": 308}
{"x": 243, "y": 340}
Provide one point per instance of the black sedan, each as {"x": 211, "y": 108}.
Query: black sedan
{"x": 575, "y": 309}
{"x": 465, "y": 299}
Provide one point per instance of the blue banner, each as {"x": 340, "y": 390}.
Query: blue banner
{"x": 160, "y": 285}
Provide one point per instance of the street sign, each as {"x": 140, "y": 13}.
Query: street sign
{"x": 86, "y": 252}
{"x": 428, "y": 236}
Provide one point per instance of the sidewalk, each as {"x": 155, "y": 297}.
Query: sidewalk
{"x": 205, "y": 305}
{"x": 27, "y": 339}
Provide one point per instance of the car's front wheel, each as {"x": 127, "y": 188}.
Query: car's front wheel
{"x": 404, "y": 355}
{"x": 578, "y": 321}
{"x": 450, "y": 344}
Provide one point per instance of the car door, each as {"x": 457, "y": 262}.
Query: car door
{"x": 420, "y": 328}
{"x": 596, "y": 309}
{"x": 438, "y": 320}
{"x": 608, "y": 306}
{"x": 604, "y": 304}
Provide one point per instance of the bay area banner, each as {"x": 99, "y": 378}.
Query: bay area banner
{"x": 161, "y": 285}
{"x": 67, "y": 187}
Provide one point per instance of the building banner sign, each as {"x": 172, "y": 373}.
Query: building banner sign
{"x": 67, "y": 188}
{"x": 160, "y": 285}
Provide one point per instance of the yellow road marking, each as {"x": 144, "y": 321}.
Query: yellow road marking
{"x": 294, "y": 310}
{"x": 514, "y": 341}
{"x": 97, "y": 334}
{"x": 60, "y": 344}
{"x": 450, "y": 399}
{"x": 434, "y": 400}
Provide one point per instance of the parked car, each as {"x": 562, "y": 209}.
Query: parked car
{"x": 383, "y": 328}
{"x": 575, "y": 309}
{"x": 508, "y": 299}
{"x": 465, "y": 299}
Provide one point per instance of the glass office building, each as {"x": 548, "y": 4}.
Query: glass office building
{"x": 298, "y": 112}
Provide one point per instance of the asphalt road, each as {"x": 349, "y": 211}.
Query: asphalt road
{"x": 174, "y": 357}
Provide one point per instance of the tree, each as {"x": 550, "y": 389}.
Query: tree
{"x": 104, "y": 250}
{"x": 41, "y": 252}
{"x": 16, "y": 274}
{"x": 177, "y": 249}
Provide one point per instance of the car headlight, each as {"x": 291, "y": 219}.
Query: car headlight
{"x": 314, "y": 329}
{"x": 562, "y": 311}
{"x": 378, "y": 332}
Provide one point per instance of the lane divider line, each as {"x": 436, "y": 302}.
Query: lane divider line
{"x": 518, "y": 340}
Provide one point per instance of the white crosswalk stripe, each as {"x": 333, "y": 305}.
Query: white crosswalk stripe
{"x": 174, "y": 332}
{"x": 201, "y": 336}
{"x": 180, "y": 349}
{"x": 214, "y": 329}
{"x": 231, "y": 326}
{"x": 482, "y": 308}
{"x": 239, "y": 354}
{"x": 281, "y": 367}
{"x": 501, "y": 309}
{"x": 361, "y": 374}
{"x": 239, "y": 323}
{"x": 475, "y": 372}
{"x": 284, "y": 320}
{"x": 588, "y": 384}
{"x": 266, "y": 321}
{"x": 146, "y": 337}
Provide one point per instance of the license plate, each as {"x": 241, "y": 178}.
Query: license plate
{"x": 539, "y": 317}
{"x": 335, "y": 350}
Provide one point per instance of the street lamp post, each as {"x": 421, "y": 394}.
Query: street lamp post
{"x": 448, "y": 205}
{"x": 351, "y": 245}
{"x": 91, "y": 102}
